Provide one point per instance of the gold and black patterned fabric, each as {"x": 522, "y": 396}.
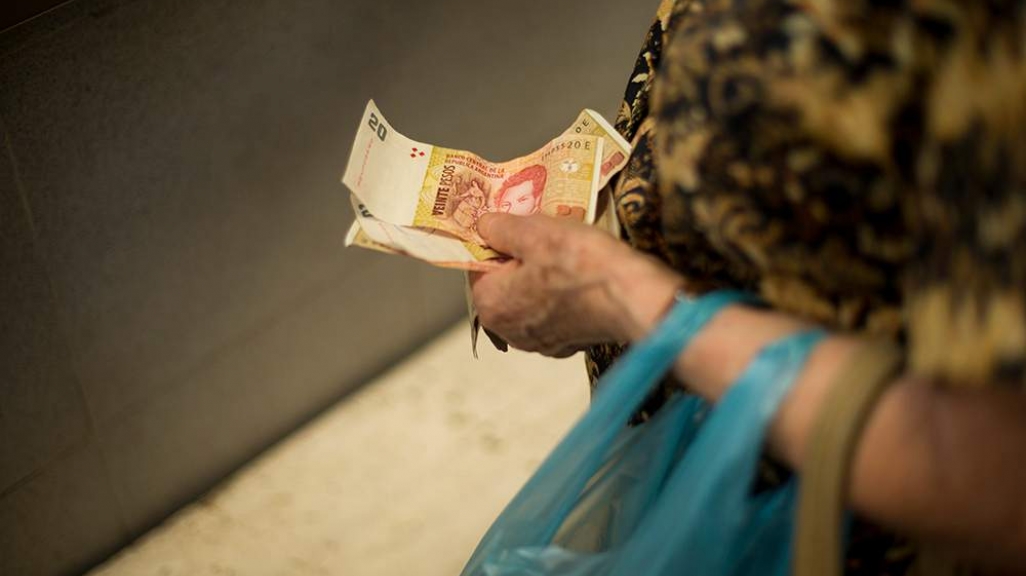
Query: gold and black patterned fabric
{"x": 859, "y": 163}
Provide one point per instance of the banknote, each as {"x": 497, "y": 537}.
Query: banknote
{"x": 432, "y": 246}
{"x": 615, "y": 149}
{"x": 448, "y": 251}
{"x": 410, "y": 183}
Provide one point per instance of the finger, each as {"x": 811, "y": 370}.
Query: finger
{"x": 565, "y": 352}
{"x": 475, "y": 276}
{"x": 489, "y": 288}
{"x": 491, "y": 296}
{"x": 513, "y": 235}
{"x": 499, "y": 231}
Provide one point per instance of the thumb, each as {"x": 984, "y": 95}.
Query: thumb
{"x": 503, "y": 232}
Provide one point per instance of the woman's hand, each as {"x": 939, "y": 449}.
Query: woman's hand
{"x": 568, "y": 286}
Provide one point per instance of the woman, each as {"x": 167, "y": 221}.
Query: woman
{"x": 860, "y": 164}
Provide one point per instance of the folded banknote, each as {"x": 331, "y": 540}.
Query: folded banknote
{"x": 423, "y": 201}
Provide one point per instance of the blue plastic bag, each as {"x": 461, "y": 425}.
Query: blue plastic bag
{"x": 672, "y": 496}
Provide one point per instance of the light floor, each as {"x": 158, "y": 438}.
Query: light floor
{"x": 403, "y": 477}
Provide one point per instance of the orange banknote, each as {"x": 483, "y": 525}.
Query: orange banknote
{"x": 410, "y": 183}
{"x": 423, "y": 201}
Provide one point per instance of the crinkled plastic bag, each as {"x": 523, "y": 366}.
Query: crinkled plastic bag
{"x": 672, "y": 496}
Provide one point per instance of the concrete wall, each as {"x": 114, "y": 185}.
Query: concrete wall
{"x": 174, "y": 295}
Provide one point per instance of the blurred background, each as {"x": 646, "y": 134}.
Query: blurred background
{"x": 175, "y": 298}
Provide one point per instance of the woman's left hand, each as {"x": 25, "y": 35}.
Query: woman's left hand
{"x": 568, "y": 285}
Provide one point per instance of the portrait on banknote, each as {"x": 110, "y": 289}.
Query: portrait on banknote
{"x": 521, "y": 193}
{"x": 464, "y": 194}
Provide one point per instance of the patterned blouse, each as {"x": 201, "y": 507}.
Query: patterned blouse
{"x": 860, "y": 163}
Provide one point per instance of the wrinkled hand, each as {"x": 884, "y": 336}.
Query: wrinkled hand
{"x": 567, "y": 287}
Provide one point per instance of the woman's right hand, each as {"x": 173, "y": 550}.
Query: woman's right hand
{"x": 569, "y": 285}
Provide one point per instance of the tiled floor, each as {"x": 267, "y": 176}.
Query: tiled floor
{"x": 401, "y": 478}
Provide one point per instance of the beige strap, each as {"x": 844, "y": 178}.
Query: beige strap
{"x": 834, "y": 437}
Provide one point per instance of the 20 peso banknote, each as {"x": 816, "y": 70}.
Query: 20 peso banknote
{"x": 423, "y": 201}
{"x": 410, "y": 183}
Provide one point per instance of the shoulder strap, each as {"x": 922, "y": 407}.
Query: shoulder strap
{"x": 834, "y": 437}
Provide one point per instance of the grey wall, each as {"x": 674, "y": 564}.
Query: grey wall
{"x": 17, "y": 11}
{"x": 174, "y": 295}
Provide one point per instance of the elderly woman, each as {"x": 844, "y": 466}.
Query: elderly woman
{"x": 861, "y": 165}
